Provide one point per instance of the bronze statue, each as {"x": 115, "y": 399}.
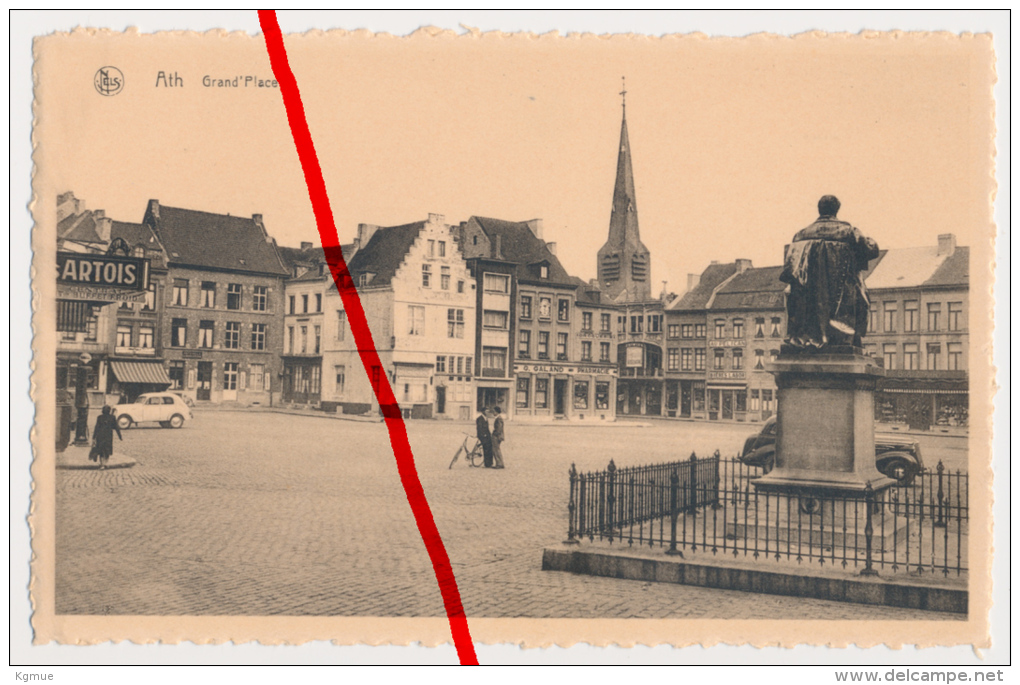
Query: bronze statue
{"x": 827, "y": 304}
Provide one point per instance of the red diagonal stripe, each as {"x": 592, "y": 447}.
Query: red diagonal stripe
{"x": 363, "y": 338}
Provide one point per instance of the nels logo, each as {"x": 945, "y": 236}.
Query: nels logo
{"x": 109, "y": 81}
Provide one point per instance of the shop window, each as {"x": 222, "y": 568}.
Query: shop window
{"x": 741, "y": 404}
{"x": 258, "y": 336}
{"x": 541, "y": 393}
{"x": 601, "y": 395}
{"x": 176, "y": 373}
{"x": 230, "y": 375}
{"x": 755, "y": 400}
{"x": 256, "y": 377}
{"x": 698, "y": 397}
{"x": 523, "y": 390}
{"x": 580, "y": 394}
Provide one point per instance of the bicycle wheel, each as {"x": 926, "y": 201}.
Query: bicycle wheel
{"x": 476, "y": 457}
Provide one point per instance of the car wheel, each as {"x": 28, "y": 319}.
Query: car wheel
{"x": 901, "y": 470}
{"x": 769, "y": 464}
{"x": 176, "y": 421}
{"x": 124, "y": 422}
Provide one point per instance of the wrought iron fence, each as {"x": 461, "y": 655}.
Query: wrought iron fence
{"x": 710, "y": 506}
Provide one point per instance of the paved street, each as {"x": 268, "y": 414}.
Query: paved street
{"x": 263, "y": 513}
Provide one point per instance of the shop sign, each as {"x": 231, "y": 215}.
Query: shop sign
{"x": 635, "y": 356}
{"x": 733, "y": 342}
{"x": 726, "y": 375}
{"x": 564, "y": 369}
{"x": 102, "y": 271}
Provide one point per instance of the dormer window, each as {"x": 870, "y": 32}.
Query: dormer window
{"x": 543, "y": 271}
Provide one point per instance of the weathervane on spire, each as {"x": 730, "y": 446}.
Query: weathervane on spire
{"x": 624, "y": 94}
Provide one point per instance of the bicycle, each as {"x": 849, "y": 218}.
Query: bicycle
{"x": 473, "y": 454}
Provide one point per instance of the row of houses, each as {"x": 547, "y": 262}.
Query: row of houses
{"x": 480, "y": 314}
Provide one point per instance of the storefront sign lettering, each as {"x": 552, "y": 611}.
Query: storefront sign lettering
{"x": 104, "y": 271}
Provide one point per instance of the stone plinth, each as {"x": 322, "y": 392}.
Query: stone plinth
{"x": 825, "y": 439}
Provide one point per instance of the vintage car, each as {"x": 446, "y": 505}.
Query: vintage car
{"x": 896, "y": 456}
{"x": 165, "y": 408}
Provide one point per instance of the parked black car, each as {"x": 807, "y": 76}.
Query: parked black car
{"x": 896, "y": 456}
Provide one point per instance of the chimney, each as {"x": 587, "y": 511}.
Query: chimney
{"x": 154, "y": 209}
{"x": 947, "y": 244}
{"x": 692, "y": 281}
{"x": 365, "y": 233}
{"x": 536, "y": 227}
{"x": 743, "y": 265}
{"x": 552, "y": 247}
{"x": 497, "y": 248}
{"x": 436, "y": 218}
{"x": 104, "y": 226}
{"x": 306, "y": 245}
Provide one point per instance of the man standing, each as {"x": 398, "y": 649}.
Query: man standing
{"x": 827, "y": 302}
{"x": 497, "y": 440}
{"x": 484, "y": 436}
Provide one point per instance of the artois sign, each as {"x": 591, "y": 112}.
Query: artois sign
{"x": 101, "y": 277}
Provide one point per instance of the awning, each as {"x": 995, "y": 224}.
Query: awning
{"x": 151, "y": 373}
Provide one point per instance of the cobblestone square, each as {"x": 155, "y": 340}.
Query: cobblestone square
{"x": 264, "y": 513}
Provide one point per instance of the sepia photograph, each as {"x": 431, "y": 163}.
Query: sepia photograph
{"x": 460, "y": 337}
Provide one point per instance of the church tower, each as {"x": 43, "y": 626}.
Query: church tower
{"x": 624, "y": 262}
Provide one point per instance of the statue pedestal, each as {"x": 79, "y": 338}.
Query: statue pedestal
{"x": 825, "y": 439}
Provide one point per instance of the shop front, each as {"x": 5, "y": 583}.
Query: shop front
{"x": 302, "y": 379}
{"x": 560, "y": 391}
{"x": 641, "y": 387}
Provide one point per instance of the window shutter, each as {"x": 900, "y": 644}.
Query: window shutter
{"x": 268, "y": 376}
{"x": 241, "y": 378}
{"x": 191, "y": 379}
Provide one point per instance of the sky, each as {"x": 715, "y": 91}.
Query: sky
{"x": 733, "y": 141}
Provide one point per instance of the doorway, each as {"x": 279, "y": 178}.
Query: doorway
{"x": 204, "y": 389}
{"x": 559, "y": 396}
{"x": 685, "y": 398}
{"x": 440, "y": 399}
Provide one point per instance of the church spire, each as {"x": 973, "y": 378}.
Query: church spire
{"x": 624, "y": 261}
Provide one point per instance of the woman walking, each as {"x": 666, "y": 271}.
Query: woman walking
{"x": 102, "y": 436}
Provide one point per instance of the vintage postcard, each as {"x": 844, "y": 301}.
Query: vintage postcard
{"x": 512, "y": 338}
